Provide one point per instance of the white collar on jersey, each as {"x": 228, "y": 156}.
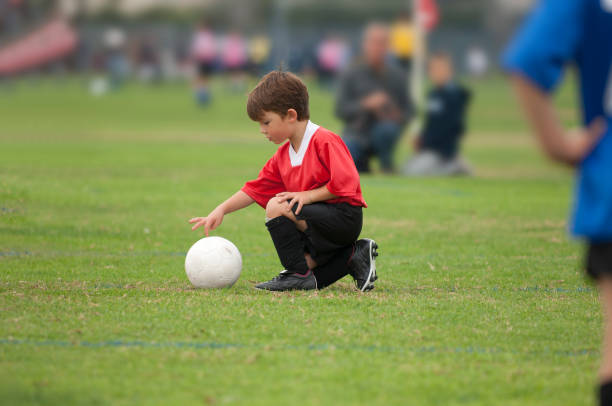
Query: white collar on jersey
{"x": 296, "y": 158}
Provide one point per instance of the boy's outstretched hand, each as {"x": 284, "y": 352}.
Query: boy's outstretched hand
{"x": 210, "y": 222}
{"x": 239, "y": 200}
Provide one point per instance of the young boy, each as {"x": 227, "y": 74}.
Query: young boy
{"x": 310, "y": 190}
{"x": 559, "y": 33}
{"x": 437, "y": 148}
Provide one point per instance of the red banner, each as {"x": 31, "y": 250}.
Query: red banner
{"x": 49, "y": 42}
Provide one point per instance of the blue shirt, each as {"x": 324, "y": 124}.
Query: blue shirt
{"x": 579, "y": 32}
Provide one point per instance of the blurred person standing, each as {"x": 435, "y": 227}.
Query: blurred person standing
{"x": 234, "y": 57}
{"x": 437, "y": 147}
{"x": 148, "y": 60}
{"x": 332, "y": 57}
{"x": 115, "y": 60}
{"x": 576, "y": 33}
{"x": 298, "y": 58}
{"x": 204, "y": 54}
{"x": 402, "y": 41}
{"x": 259, "y": 54}
{"x": 373, "y": 101}
{"x": 476, "y": 61}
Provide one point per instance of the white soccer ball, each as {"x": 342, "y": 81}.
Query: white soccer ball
{"x": 213, "y": 262}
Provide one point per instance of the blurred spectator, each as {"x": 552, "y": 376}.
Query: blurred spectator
{"x": 437, "y": 148}
{"x": 234, "y": 58}
{"x": 204, "y": 54}
{"x": 402, "y": 41}
{"x": 116, "y": 63}
{"x": 168, "y": 63}
{"x": 259, "y": 54}
{"x": 373, "y": 102}
{"x": 148, "y": 61}
{"x": 476, "y": 61}
{"x": 332, "y": 58}
{"x": 299, "y": 58}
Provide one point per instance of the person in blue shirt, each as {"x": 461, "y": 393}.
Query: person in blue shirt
{"x": 579, "y": 33}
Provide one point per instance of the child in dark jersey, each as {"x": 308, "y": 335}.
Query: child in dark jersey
{"x": 437, "y": 149}
{"x": 311, "y": 193}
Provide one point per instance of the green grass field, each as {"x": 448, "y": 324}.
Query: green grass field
{"x": 481, "y": 299}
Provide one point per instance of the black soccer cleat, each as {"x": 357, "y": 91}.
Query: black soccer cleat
{"x": 363, "y": 264}
{"x": 290, "y": 281}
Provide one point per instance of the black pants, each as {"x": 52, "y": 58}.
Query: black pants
{"x": 599, "y": 259}
{"x": 330, "y": 228}
{"x": 329, "y": 238}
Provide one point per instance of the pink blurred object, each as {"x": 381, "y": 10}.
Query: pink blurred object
{"x": 49, "y": 42}
{"x": 428, "y": 13}
{"x": 204, "y": 46}
{"x": 332, "y": 54}
{"x": 234, "y": 54}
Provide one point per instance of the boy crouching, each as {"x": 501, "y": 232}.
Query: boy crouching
{"x": 311, "y": 193}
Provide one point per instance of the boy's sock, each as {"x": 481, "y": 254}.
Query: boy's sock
{"x": 605, "y": 394}
{"x": 288, "y": 243}
{"x": 335, "y": 269}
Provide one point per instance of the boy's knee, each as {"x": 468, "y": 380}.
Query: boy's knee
{"x": 274, "y": 208}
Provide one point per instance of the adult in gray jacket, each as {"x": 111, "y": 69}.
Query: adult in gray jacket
{"x": 373, "y": 102}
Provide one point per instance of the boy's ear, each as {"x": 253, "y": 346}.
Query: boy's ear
{"x": 291, "y": 115}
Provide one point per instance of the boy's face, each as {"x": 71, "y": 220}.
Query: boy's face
{"x": 440, "y": 71}
{"x": 276, "y": 128}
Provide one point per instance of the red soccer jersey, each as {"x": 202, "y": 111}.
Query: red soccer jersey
{"x": 322, "y": 159}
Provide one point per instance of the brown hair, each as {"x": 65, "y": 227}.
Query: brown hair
{"x": 278, "y": 92}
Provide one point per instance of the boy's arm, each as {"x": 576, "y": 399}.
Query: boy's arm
{"x": 306, "y": 197}
{"x": 238, "y": 201}
{"x": 542, "y": 116}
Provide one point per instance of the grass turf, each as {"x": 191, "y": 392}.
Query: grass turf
{"x": 480, "y": 300}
